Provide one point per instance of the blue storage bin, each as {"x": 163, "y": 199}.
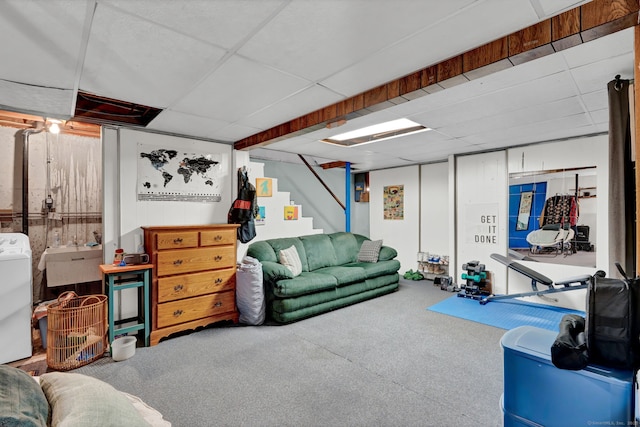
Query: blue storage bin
{"x": 538, "y": 393}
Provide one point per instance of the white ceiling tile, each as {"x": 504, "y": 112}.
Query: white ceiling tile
{"x": 239, "y": 88}
{"x": 553, "y": 7}
{"x": 35, "y": 100}
{"x": 600, "y": 116}
{"x": 598, "y": 74}
{"x": 610, "y": 46}
{"x": 233, "y": 132}
{"x": 44, "y": 38}
{"x": 299, "y": 104}
{"x": 176, "y": 122}
{"x": 130, "y": 59}
{"x": 596, "y": 100}
{"x": 208, "y": 21}
{"x": 333, "y": 34}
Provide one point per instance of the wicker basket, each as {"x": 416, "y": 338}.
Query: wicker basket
{"x": 76, "y": 330}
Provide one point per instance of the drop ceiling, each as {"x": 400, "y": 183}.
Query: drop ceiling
{"x": 224, "y": 70}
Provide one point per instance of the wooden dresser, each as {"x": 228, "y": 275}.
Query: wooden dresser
{"x": 194, "y": 276}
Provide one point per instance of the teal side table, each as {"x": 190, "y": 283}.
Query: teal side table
{"x": 115, "y": 279}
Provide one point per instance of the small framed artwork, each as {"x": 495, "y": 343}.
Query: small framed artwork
{"x": 262, "y": 216}
{"x": 524, "y": 211}
{"x": 263, "y": 187}
{"x": 290, "y": 213}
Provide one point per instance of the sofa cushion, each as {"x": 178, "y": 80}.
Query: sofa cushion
{"x": 290, "y": 259}
{"x": 286, "y": 242}
{"x": 344, "y": 275}
{"x": 262, "y": 251}
{"x": 22, "y": 402}
{"x": 375, "y": 269}
{"x": 80, "y": 400}
{"x": 387, "y": 253}
{"x": 319, "y": 251}
{"x": 345, "y": 246}
{"x": 369, "y": 251}
{"x": 305, "y": 283}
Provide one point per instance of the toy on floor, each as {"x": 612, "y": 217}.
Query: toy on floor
{"x": 413, "y": 275}
{"x": 475, "y": 278}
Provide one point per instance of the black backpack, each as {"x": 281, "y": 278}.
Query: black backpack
{"x": 612, "y": 322}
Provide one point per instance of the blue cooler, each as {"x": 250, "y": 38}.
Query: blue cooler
{"x": 536, "y": 393}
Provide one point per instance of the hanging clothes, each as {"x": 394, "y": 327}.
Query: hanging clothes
{"x": 560, "y": 209}
{"x": 245, "y": 208}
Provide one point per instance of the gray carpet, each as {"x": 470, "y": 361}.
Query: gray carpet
{"x": 383, "y": 362}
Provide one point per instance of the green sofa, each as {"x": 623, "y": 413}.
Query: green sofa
{"x": 331, "y": 275}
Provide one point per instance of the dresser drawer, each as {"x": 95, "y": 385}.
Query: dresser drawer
{"x": 192, "y": 260}
{"x": 177, "y": 240}
{"x": 176, "y": 312}
{"x": 190, "y": 285}
{"x": 218, "y": 237}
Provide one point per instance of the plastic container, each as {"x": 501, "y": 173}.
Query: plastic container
{"x": 42, "y": 324}
{"x": 537, "y": 393}
{"x": 123, "y": 348}
{"x": 56, "y": 239}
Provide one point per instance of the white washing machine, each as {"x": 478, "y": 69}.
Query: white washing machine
{"x": 16, "y": 299}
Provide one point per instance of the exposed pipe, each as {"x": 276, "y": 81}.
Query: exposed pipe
{"x": 347, "y": 196}
{"x": 25, "y": 173}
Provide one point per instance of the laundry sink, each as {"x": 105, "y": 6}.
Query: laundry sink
{"x": 69, "y": 265}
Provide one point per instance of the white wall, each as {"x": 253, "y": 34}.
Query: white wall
{"x": 434, "y": 208}
{"x": 402, "y": 235}
{"x": 482, "y": 214}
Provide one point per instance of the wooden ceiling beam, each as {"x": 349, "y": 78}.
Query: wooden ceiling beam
{"x": 595, "y": 19}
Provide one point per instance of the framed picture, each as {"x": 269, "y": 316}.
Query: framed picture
{"x": 290, "y": 213}
{"x": 263, "y": 187}
{"x": 524, "y": 211}
{"x": 262, "y": 216}
{"x": 393, "y": 202}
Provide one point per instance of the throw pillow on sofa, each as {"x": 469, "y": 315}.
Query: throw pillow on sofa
{"x": 369, "y": 251}
{"x": 290, "y": 259}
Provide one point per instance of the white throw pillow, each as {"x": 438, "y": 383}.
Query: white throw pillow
{"x": 290, "y": 259}
{"x": 369, "y": 251}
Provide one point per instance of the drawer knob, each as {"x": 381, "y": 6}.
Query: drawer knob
{"x": 218, "y": 281}
{"x": 218, "y": 304}
{"x": 177, "y": 240}
{"x": 178, "y": 288}
{"x": 218, "y": 257}
{"x": 217, "y": 238}
{"x": 177, "y": 313}
{"x": 177, "y": 262}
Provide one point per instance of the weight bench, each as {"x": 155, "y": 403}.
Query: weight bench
{"x": 569, "y": 284}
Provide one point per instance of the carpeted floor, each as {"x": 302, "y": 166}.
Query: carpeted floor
{"x": 504, "y": 314}
{"x": 383, "y": 362}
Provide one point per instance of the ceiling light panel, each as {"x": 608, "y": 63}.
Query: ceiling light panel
{"x": 376, "y": 133}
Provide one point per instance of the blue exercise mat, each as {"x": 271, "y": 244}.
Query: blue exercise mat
{"x": 505, "y": 314}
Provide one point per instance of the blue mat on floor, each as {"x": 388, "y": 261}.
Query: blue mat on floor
{"x": 505, "y": 314}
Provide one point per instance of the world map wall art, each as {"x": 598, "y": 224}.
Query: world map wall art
{"x": 173, "y": 175}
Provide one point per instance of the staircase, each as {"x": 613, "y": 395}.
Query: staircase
{"x": 274, "y": 224}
